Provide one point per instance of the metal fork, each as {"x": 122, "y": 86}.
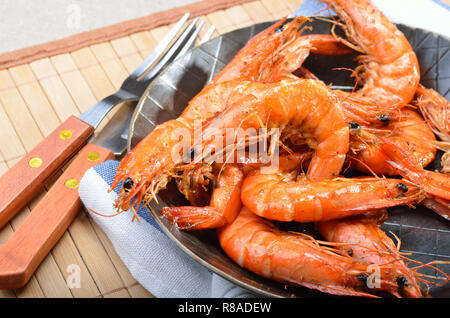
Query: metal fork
{"x": 19, "y": 184}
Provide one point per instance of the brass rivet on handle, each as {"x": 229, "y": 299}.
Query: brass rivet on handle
{"x": 71, "y": 183}
{"x": 35, "y": 162}
{"x": 93, "y": 156}
{"x": 65, "y": 134}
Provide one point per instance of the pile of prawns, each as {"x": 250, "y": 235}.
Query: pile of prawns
{"x": 388, "y": 126}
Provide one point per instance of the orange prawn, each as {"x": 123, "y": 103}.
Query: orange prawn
{"x": 298, "y": 259}
{"x": 280, "y": 197}
{"x": 389, "y": 66}
{"x": 150, "y": 165}
{"x": 363, "y": 240}
{"x": 306, "y": 106}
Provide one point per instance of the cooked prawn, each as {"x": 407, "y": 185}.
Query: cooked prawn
{"x": 389, "y": 66}
{"x": 365, "y": 241}
{"x": 306, "y": 106}
{"x": 151, "y": 164}
{"x": 298, "y": 259}
{"x": 283, "y": 197}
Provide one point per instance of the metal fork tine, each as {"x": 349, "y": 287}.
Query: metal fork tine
{"x": 168, "y": 56}
{"x": 191, "y": 40}
{"x": 208, "y": 35}
{"x": 160, "y": 48}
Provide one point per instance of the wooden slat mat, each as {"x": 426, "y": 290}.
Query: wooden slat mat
{"x": 38, "y": 96}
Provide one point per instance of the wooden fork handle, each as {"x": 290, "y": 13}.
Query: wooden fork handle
{"x": 23, "y": 181}
{"x": 36, "y": 236}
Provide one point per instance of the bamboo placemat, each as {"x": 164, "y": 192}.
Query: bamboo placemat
{"x": 36, "y": 95}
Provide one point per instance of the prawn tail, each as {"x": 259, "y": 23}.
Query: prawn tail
{"x": 194, "y": 218}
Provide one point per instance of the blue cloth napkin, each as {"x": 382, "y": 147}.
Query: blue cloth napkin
{"x": 152, "y": 258}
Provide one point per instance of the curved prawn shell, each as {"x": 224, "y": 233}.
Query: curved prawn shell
{"x": 223, "y": 209}
{"x": 411, "y": 133}
{"x": 258, "y": 246}
{"x": 365, "y": 241}
{"x": 391, "y": 69}
{"x": 301, "y": 103}
{"x": 273, "y": 197}
{"x": 150, "y": 160}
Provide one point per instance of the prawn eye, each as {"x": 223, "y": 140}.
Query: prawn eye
{"x": 401, "y": 281}
{"x": 353, "y": 125}
{"x": 190, "y": 155}
{"x": 363, "y": 278}
{"x": 384, "y": 118}
{"x": 282, "y": 27}
{"x": 128, "y": 184}
{"x": 402, "y": 187}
